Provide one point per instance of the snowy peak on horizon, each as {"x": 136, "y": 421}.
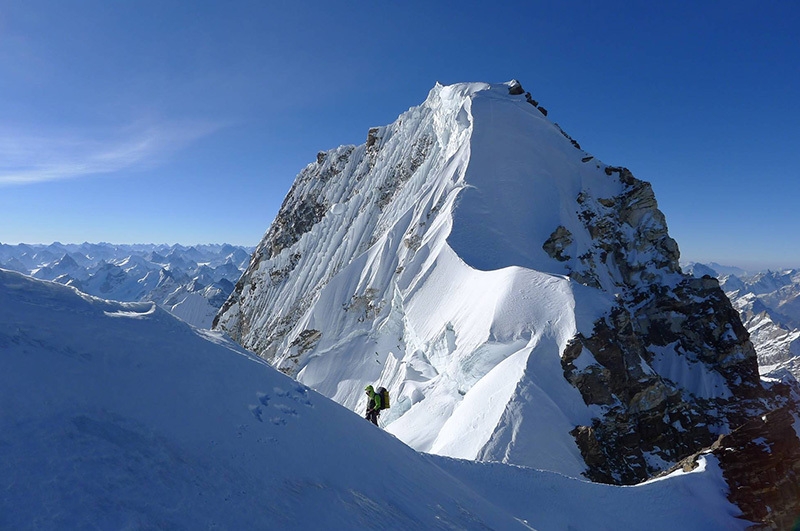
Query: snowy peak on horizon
{"x": 191, "y": 282}
{"x": 769, "y": 305}
{"x": 522, "y": 301}
{"x": 714, "y": 269}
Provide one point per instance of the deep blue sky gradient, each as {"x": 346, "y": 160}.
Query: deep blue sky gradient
{"x": 186, "y": 122}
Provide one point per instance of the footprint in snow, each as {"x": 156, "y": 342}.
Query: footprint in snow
{"x": 257, "y": 412}
{"x": 263, "y": 398}
{"x": 286, "y": 410}
{"x": 297, "y": 394}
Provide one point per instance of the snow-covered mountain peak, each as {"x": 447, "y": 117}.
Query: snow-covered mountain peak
{"x": 521, "y": 300}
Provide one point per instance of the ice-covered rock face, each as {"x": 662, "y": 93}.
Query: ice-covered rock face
{"x": 521, "y": 300}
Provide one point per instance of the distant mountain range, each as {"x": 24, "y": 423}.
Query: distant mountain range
{"x": 190, "y": 282}
{"x": 769, "y": 304}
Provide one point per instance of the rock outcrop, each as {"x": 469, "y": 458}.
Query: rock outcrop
{"x": 760, "y": 460}
{"x": 643, "y": 353}
{"x": 761, "y": 463}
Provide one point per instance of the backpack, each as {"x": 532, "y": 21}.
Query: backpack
{"x": 384, "y": 397}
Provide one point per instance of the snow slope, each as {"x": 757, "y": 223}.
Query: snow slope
{"x": 118, "y": 415}
{"x": 547, "y": 500}
{"x": 522, "y": 178}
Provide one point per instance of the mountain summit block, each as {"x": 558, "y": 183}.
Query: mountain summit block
{"x": 521, "y": 300}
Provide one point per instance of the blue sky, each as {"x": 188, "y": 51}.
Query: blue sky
{"x": 186, "y": 122}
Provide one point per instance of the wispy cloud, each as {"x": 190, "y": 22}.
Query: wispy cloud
{"x": 27, "y": 158}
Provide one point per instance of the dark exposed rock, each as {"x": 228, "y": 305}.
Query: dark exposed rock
{"x": 592, "y": 381}
{"x": 404, "y": 170}
{"x": 646, "y": 413}
{"x": 305, "y": 340}
{"x": 334, "y": 166}
{"x": 761, "y": 464}
{"x": 587, "y": 159}
{"x": 280, "y": 274}
{"x": 559, "y": 240}
{"x": 571, "y": 140}
{"x": 625, "y": 175}
{"x": 366, "y": 306}
{"x": 694, "y": 321}
{"x": 530, "y": 99}
{"x": 649, "y": 420}
{"x": 372, "y": 137}
{"x": 291, "y": 223}
{"x": 633, "y": 256}
{"x": 542, "y": 110}
{"x": 593, "y": 453}
{"x": 515, "y": 88}
{"x": 760, "y": 461}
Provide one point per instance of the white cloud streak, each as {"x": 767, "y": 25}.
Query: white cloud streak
{"x": 28, "y": 159}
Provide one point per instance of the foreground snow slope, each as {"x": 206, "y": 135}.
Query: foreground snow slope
{"x": 118, "y": 415}
{"x": 548, "y": 500}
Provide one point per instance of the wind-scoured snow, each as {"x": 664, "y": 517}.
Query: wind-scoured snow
{"x": 119, "y": 415}
{"x": 522, "y": 181}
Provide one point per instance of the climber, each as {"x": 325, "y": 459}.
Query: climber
{"x": 376, "y": 402}
{"x": 373, "y": 405}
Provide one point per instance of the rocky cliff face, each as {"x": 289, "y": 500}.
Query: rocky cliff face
{"x": 648, "y": 355}
{"x": 521, "y": 300}
{"x": 761, "y": 463}
{"x": 634, "y": 364}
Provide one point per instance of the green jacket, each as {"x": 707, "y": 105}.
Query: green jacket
{"x": 374, "y": 399}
